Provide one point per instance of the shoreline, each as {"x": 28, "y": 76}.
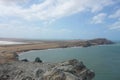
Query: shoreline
{"x": 22, "y": 52}
{"x": 19, "y": 53}
{"x": 9, "y": 53}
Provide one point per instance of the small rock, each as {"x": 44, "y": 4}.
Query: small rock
{"x": 25, "y": 60}
{"x": 37, "y": 59}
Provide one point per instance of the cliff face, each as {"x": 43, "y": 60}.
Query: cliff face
{"x": 68, "y": 70}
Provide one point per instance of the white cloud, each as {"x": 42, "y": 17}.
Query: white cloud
{"x": 12, "y": 2}
{"x": 98, "y": 5}
{"x": 51, "y": 9}
{"x": 116, "y": 14}
{"x": 115, "y": 26}
{"x": 98, "y": 18}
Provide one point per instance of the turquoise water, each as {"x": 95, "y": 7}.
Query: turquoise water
{"x": 104, "y": 60}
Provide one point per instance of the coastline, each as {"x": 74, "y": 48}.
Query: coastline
{"x": 22, "y": 52}
{"x": 26, "y": 52}
{"x": 10, "y": 53}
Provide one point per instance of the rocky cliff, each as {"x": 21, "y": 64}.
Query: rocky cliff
{"x": 68, "y": 70}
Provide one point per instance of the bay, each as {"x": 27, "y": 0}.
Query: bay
{"x": 104, "y": 60}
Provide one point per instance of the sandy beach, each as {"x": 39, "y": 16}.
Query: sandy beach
{"x": 9, "y": 52}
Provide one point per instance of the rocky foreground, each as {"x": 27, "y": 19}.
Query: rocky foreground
{"x": 68, "y": 70}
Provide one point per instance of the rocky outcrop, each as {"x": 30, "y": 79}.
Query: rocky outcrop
{"x": 100, "y": 41}
{"x": 37, "y": 59}
{"x": 68, "y": 70}
{"x": 85, "y": 43}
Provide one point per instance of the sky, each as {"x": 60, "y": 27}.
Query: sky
{"x": 60, "y": 19}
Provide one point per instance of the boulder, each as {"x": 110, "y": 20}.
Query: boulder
{"x": 37, "y": 59}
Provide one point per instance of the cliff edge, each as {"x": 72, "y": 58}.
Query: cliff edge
{"x": 67, "y": 70}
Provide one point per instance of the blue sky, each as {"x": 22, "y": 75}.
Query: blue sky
{"x": 60, "y": 19}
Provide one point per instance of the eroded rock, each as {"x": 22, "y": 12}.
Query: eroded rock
{"x": 68, "y": 70}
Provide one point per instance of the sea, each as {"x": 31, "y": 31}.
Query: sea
{"x": 104, "y": 60}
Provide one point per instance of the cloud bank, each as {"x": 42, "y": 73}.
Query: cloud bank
{"x": 33, "y": 18}
{"x": 50, "y": 9}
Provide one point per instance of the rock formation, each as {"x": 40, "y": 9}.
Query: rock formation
{"x": 68, "y": 70}
{"x": 37, "y": 59}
